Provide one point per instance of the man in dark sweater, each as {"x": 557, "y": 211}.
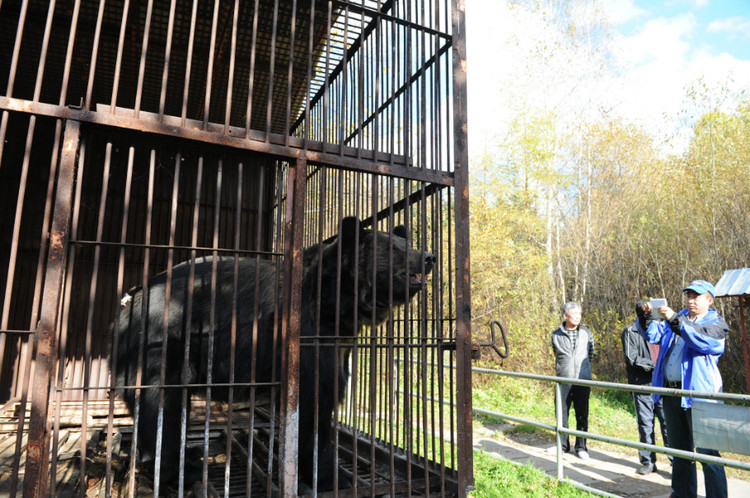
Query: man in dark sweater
{"x": 639, "y": 363}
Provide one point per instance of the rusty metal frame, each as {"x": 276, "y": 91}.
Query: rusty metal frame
{"x": 290, "y": 328}
{"x": 463, "y": 260}
{"x": 35, "y": 482}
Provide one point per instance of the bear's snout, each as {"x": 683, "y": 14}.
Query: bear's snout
{"x": 429, "y": 262}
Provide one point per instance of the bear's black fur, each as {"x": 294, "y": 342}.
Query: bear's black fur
{"x": 387, "y": 272}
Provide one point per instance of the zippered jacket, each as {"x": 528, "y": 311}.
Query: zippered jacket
{"x": 573, "y": 363}
{"x": 638, "y": 361}
{"x": 704, "y": 344}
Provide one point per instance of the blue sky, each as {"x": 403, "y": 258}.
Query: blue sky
{"x": 659, "y": 51}
{"x": 719, "y": 25}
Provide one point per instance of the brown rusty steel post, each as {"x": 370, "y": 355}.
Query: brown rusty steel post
{"x": 294, "y": 224}
{"x": 463, "y": 262}
{"x": 35, "y": 482}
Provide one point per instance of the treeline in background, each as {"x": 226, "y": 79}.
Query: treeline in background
{"x": 579, "y": 192}
{"x": 616, "y": 223}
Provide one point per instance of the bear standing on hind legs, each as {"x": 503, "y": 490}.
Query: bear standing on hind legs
{"x": 386, "y": 271}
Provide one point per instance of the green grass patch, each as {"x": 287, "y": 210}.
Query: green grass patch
{"x": 525, "y": 429}
{"x": 495, "y": 477}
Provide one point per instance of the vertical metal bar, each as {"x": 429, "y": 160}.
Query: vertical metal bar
{"x": 210, "y": 65}
{"x": 272, "y": 70}
{"x": 167, "y": 59}
{"x": 254, "y": 352}
{"x": 35, "y": 481}
{"x": 189, "y": 63}
{"x": 355, "y": 320}
{"x": 284, "y": 176}
{"x": 336, "y": 218}
{"x": 17, "y": 48}
{"x": 392, "y": 362}
{"x": 212, "y": 321}
{"x": 118, "y": 63}
{"x": 185, "y": 404}
{"x": 92, "y": 62}
{"x": 166, "y": 311}
{"x": 361, "y": 82}
{"x": 3, "y": 131}
{"x": 373, "y": 391}
{"x": 230, "y": 78}
{"x": 319, "y": 279}
{"x": 290, "y": 328}
{"x": 463, "y": 260}
{"x": 145, "y": 311}
{"x": 438, "y": 310}
{"x": 233, "y": 338}
{"x": 411, "y": 375}
{"x": 144, "y": 52}
{"x": 116, "y": 323}
{"x": 310, "y": 54}
{"x": 326, "y": 84}
{"x": 43, "y": 54}
{"x": 251, "y": 76}
{"x": 376, "y": 94}
{"x": 424, "y": 333}
{"x": 290, "y": 72}
{"x": 92, "y": 307}
{"x": 407, "y": 100}
{"x": 558, "y": 425}
{"x": 343, "y": 108}
{"x": 450, "y": 274}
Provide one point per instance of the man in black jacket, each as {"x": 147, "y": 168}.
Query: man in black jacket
{"x": 639, "y": 363}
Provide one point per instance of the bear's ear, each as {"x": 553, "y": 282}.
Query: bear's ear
{"x": 348, "y": 233}
{"x": 401, "y": 232}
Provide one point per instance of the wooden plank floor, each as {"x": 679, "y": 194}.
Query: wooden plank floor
{"x": 108, "y": 472}
{"x": 107, "y": 467}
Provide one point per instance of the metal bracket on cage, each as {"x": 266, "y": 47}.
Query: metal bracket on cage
{"x": 476, "y": 353}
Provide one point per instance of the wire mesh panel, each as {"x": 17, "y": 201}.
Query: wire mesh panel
{"x": 233, "y": 248}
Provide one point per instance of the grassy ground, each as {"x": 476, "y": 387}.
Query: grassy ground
{"x": 495, "y": 477}
{"x": 610, "y": 413}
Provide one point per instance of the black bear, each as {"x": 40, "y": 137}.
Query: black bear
{"x": 382, "y": 266}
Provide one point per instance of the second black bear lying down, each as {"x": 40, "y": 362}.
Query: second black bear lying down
{"x": 386, "y": 272}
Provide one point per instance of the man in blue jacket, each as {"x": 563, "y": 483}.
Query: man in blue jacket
{"x": 691, "y": 342}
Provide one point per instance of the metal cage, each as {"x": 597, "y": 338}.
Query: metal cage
{"x": 140, "y": 140}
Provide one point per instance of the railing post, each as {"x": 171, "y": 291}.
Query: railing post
{"x": 558, "y": 425}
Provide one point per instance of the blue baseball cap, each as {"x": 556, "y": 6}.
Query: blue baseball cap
{"x": 701, "y": 287}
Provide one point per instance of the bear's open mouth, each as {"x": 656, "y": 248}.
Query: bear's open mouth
{"x": 417, "y": 280}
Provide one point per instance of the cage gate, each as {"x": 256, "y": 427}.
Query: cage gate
{"x": 234, "y": 249}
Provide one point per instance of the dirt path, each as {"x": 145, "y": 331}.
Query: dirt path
{"x": 607, "y": 471}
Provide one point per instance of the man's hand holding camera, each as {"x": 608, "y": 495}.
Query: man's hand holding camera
{"x": 663, "y": 310}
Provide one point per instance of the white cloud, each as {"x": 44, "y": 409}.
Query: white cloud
{"x": 735, "y": 26}
{"x": 661, "y": 41}
{"x": 510, "y": 72}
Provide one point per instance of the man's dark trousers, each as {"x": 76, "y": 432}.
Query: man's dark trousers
{"x": 578, "y": 397}
{"x": 646, "y": 413}
{"x": 680, "y": 424}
